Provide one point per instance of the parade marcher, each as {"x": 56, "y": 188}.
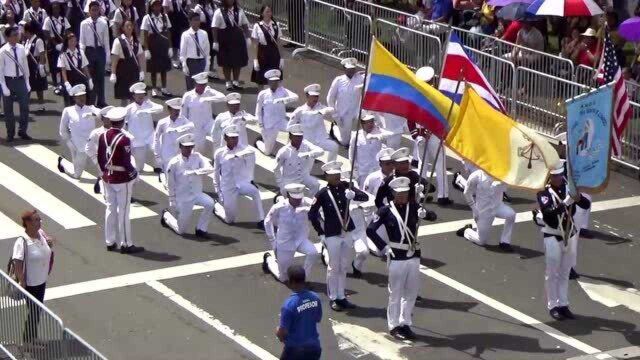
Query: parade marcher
{"x": 287, "y": 230}
{"x": 230, "y": 32}
{"x": 73, "y": 65}
{"x": 266, "y": 34}
{"x": 118, "y": 176}
{"x": 106, "y": 8}
{"x": 91, "y": 149}
{"x": 484, "y": 195}
{"x": 197, "y": 107}
{"x": 370, "y": 140}
{"x": 36, "y": 16}
{"x": 271, "y": 111}
{"x": 233, "y": 177}
{"x": 168, "y": 130}
{"x": 373, "y": 181}
{"x": 55, "y": 28}
{"x": 184, "y": 181}
{"x": 17, "y": 7}
{"x": 233, "y": 116}
{"x": 311, "y": 117}
{"x": 14, "y": 80}
{"x": 344, "y": 96}
{"x": 76, "y": 124}
{"x": 394, "y": 124}
{"x": 178, "y": 11}
{"x": 194, "y": 50}
{"x": 94, "y": 42}
{"x": 37, "y": 58}
{"x": 75, "y": 14}
{"x": 126, "y": 62}
{"x": 156, "y": 31}
{"x": 140, "y": 124}
{"x": 335, "y": 231}
{"x": 561, "y": 235}
{"x": 125, "y": 12}
{"x": 400, "y": 218}
{"x": 295, "y": 160}
{"x": 206, "y": 9}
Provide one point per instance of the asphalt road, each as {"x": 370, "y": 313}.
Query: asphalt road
{"x": 186, "y": 298}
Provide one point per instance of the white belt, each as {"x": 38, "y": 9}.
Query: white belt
{"x": 405, "y": 247}
{"x": 551, "y": 231}
{"x": 116, "y": 168}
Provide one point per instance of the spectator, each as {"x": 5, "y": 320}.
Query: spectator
{"x": 587, "y": 52}
{"x": 299, "y": 317}
{"x": 441, "y": 11}
{"x": 511, "y": 31}
{"x": 569, "y": 44}
{"x": 612, "y": 23}
{"x": 529, "y": 37}
{"x": 633, "y": 88}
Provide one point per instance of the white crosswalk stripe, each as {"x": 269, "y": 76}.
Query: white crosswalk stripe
{"x": 9, "y": 228}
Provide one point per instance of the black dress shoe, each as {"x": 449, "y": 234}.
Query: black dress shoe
{"x": 407, "y": 332}
{"x": 157, "y": 170}
{"x": 431, "y": 215}
{"x": 112, "y": 247}
{"x": 506, "y": 198}
{"x": 397, "y": 333}
{"x": 460, "y": 231}
{"x": 505, "y": 247}
{"x": 564, "y": 311}
{"x": 587, "y": 234}
{"x": 573, "y": 275}
{"x": 24, "y": 136}
{"x": 202, "y": 234}
{"x": 131, "y": 249}
{"x": 445, "y": 201}
{"x": 335, "y": 306}
{"x": 260, "y": 225}
{"x": 346, "y": 304}
{"x": 265, "y": 267}
{"x": 162, "y": 221}
{"x": 96, "y": 186}
{"x": 556, "y": 314}
{"x": 454, "y": 184}
{"x": 60, "y": 167}
{"x": 356, "y": 273}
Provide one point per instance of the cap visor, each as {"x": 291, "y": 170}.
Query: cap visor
{"x": 333, "y": 172}
{"x": 296, "y": 195}
{"x": 232, "y": 102}
{"x": 402, "y": 189}
{"x": 296, "y": 133}
{"x": 232, "y": 135}
{"x": 313, "y": 93}
{"x": 190, "y": 143}
{"x": 80, "y": 93}
{"x": 274, "y": 78}
{"x": 402, "y": 159}
{"x": 557, "y": 172}
{"x": 349, "y": 66}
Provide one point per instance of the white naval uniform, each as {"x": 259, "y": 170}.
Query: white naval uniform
{"x": 76, "y": 124}
{"x": 294, "y": 166}
{"x": 344, "y": 97}
{"x": 272, "y": 117}
{"x": 368, "y": 145}
{"x": 91, "y": 148}
{"x": 292, "y": 235}
{"x": 185, "y": 191}
{"x": 432, "y": 144}
{"x": 233, "y": 175}
{"x": 140, "y": 125}
{"x": 198, "y": 108}
{"x": 165, "y": 139}
{"x": 373, "y": 181}
{"x": 312, "y": 122}
{"x": 487, "y": 206}
{"x": 226, "y": 119}
{"x": 397, "y": 125}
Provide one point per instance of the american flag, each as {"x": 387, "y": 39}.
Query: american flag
{"x": 610, "y": 71}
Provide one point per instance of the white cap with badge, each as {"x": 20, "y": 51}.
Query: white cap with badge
{"x": 332, "y": 168}
{"x": 558, "y": 168}
{"x": 138, "y": 88}
{"x": 349, "y": 63}
{"x": 295, "y": 129}
{"x": 273, "y": 74}
{"x": 116, "y": 114}
{"x": 367, "y": 117}
{"x": 401, "y": 155}
{"x": 187, "y": 140}
{"x": 201, "y": 78}
{"x": 295, "y": 190}
{"x": 175, "y": 103}
{"x": 425, "y": 73}
{"x": 385, "y": 154}
{"x": 105, "y": 110}
{"x": 233, "y": 98}
{"x": 313, "y": 90}
{"x": 400, "y": 184}
{"x": 78, "y": 90}
{"x": 231, "y": 131}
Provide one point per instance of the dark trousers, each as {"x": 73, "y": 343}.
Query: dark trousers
{"x": 301, "y": 353}
{"x": 19, "y": 93}
{"x": 97, "y": 63}
{"x": 195, "y": 66}
{"x": 33, "y": 319}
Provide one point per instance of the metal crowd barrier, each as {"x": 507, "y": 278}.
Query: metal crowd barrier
{"x": 501, "y": 74}
{"x": 412, "y": 47}
{"x": 30, "y": 330}
{"x": 630, "y": 155}
{"x": 585, "y": 75}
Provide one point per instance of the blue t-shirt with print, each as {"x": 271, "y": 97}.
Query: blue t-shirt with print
{"x": 299, "y": 315}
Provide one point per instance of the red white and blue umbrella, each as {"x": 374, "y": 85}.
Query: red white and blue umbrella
{"x": 565, "y": 8}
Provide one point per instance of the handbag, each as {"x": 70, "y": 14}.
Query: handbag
{"x": 10, "y": 290}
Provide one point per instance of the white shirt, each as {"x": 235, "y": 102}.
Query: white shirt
{"x": 292, "y": 224}
{"x": 226, "y": 119}
{"x": 188, "y": 48}
{"x": 63, "y": 59}
{"x": 274, "y": 115}
{"x": 8, "y": 66}
{"x": 38, "y": 15}
{"x": 103, "y": 7}
{"x": 39, "y": 46}
{"x": 91, "y": 148}
{"x": 182, "y": 181}
{"x": 368, "y": 148}
{"x": 75, "y": 126}
{"x": 157, "y": 22}
{"x": 120, "y": 15}
{"x": 344, "y": 95}
{"x": 373, "y": 181}
{"x": 60, "y": 24}
{"x": 183, "y": 6}
{"x": 165, "y": 139}
{"x": 116, "y": 49}
{"x": 87, "y": 35}
{"x": 140, "y": 122}
{"x": 290, "y": 166}
{"x": 312, "y": 121}
{"x": 218, "y": 20}
{"x": 487, "y": 191}
{"x": 38, "y": 257}
{"x": 199, "y": 109}
{"x": 231, "y": 169}
{"x": 258, "y": 35}
{"x": 203, "y": 12}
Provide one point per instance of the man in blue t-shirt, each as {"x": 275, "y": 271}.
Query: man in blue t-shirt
{"x": 299, "y": 317}
{"x": 441, "y": 11}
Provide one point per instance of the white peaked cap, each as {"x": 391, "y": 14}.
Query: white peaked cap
{"x": 425, "y": 73}
{"x": 367, "y": 117}
{"x": 295, "y": 190}
{"x": 186, "y": 140}
{"x": 175, "y": 103}
{"x": 349, "y": 63}
{"x": 558, "y": 168}
{"x": 273, "y": 74}
{"x": 78, "y": 90}
{"x": 233, "y": 98}
{"x": 400, "y": 184}
{"x": 332, "y": 167}
{"x": 313, "y": 89}
{"x": 401, "y": 155}
{"x": 295, "y": 129}
{"x": 105, "y": 110}
{"x": 201, "y": 78}
{"x": 231, "y": 131}
{"x": 385, "y": 154}
{"x": 116, "y": 114}
{"x": 138, "y": 88}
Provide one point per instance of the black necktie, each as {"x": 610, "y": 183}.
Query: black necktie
{"x": 15, "y": 55}
{"x": 95, "y": 34}
{"x": 197, "y": 44}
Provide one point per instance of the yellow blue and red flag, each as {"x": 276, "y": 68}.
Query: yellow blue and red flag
{"x": 393, "y": 88}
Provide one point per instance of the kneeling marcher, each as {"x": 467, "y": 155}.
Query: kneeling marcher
{"x": 184, "y": 180}
{"x": 400, "y": 218}
{"x": 287, "y": 229}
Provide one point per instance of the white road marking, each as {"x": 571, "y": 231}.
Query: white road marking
{"x": 441, "y": 228}
{"x": 42, "y": 200}
{"x": 359, "y": 341}
{"x": 225, "y": 330}
{"x": 9, "y": 228}
{"x": 611, "y": 295}
{"x": 47, "y": 159}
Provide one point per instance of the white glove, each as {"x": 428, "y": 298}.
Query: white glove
{"x": 215, "y": 46}
{"x": 349, "y": 194}
{"x": 41, "y": 70}
{"x": 419, "y": 188}
{"x": 256, "y": 65}
{"x": 141, "y": 76}
{"x": 28, "y": 86}
{"x": 172, "y": 203}
{"x": 568, "y": 201}
{"x": 170, "y": 52}
{"x": 147, "y": 54}
{"x": 374, "y": 137}
{"x": 304, "y": 155}
{"x": 67, "y": 86}
{"x": 5, "y": 90}
{"x": 185, "y": 69}
{"x": 90, "y": 82}
{"x": 112, "y": 78}
{"x": 422, "y": 213}
{"x": 321, "y": 238}
{"x": 388, "y": 251}
{"x": 59, "y": 47}
{"x": 281, "y": 64}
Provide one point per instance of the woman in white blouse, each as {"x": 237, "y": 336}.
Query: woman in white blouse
{"x": 266, "y": 35}
{"x": 32, "y": 260}
{"x": 231, "y": 39}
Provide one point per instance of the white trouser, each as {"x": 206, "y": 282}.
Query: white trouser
{"x": 200, "y": 139}
{"x": 279, "y": 264}
{"x": 345, "y": 126}
{"x": 582, "y": 216}
{"x": 140, "y": 155}
{"x": 78, "y": 161}
{"x": 269, "y": 139}
{"x": 229, "y": 208}
{"x": 484, "y": 224}
{"x": 440, "y": 165}
{"x": 359, "y": 238}
{"x": 185, "y": 211}
{"x": 559, "y": 260}
{"x": 340, "y": 250}
{"x": 307, "y": 180}
{"x": 461, "y": 181}
{"x": 328, "y": 145}
{"x": 404, "y": 284}
{"x": 117, "y": 227}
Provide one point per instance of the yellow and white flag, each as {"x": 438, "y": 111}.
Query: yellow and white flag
{"x": 506, "y": 150}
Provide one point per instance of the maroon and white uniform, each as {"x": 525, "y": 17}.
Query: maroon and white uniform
{"x": 118, "y": 175}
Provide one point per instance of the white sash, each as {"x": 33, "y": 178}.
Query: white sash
{"x": 343, "y": 222}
